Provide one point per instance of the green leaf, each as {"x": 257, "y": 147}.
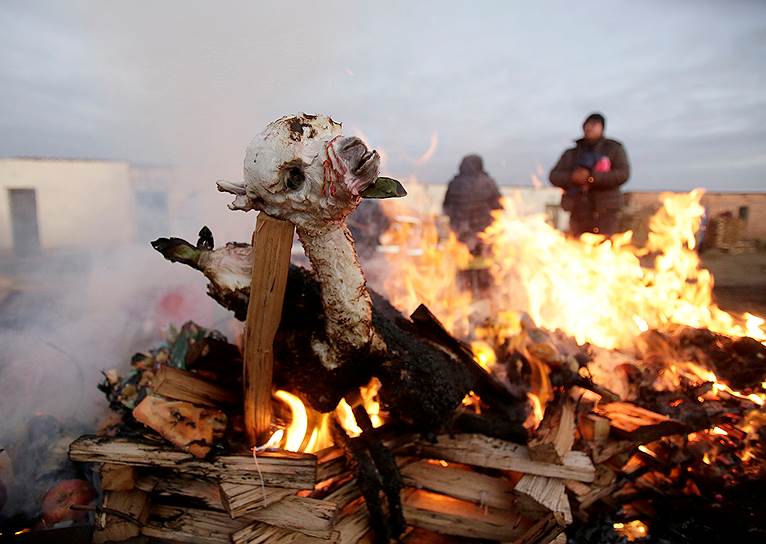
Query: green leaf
{"x": 384, "y": 188}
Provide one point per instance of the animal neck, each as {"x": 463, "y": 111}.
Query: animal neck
{"x": 346, "y": 301}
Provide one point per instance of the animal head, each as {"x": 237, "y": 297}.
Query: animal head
{"x": 302, "y": 169}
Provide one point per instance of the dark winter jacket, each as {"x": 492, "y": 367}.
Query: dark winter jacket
{"x": 471, "y": 197}
{"x": 604, "y": 193}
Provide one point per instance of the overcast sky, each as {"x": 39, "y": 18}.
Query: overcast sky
{"x": 683, "y": 84}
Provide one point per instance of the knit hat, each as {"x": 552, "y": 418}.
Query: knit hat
{"x": 596, "y": 117}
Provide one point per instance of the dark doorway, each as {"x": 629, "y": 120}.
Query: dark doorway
{"x": 26, "y": 236}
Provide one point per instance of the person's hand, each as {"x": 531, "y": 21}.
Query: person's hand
{"x": 580, "y": 176}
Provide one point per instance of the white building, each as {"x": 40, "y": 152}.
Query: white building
{"x": 51, "y": 204}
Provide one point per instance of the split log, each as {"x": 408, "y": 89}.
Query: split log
{"x": 189, "y": 427}
{"x": 241, "y": 499}
{"x": 345, "y": 494}
{"x": 272, "y": 242}
{"x": 330, "y": 463}
{"x": 555, "y": 435}
{"x": 278, "y": 469}
{"x": 204, "y": 491}
{"x": 545, "y": 531}
{"x": 632, "y": 422}
{"x": 540, "y": 495}
{"x": 452, "y": 516}
{"x": 183, "y": 385}
{"x": 190, "y": 525}
{"x": 117, "y": 477}
{"x": 311, "y": 517}
{"x": 133, "y": 505}
{"x": 488, "y": 452}
{"x": 460, "y": 483}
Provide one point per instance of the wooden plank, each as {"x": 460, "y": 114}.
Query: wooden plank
{"x": 460, "y": 483}
{"x": 180, "y": 384}
{"x": 452, "y": 516}
{"x": 241, "y": 499}
{"x": 272, "y": 242}
{"x": 279, "y": 469}
{"x": 484, "y": 451}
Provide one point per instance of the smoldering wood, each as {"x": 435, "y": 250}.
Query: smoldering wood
{"x": 279, "y": 469}
{"x": 489, "y": 452}
{"x": 183, "y": 385}
{"x": 452, "y": 516}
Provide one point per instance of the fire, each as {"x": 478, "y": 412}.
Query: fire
{"x": 296, "y": 431}
{"x": 632, "y": 530}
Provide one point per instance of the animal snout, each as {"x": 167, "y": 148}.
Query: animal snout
{"x": 357, "y": 156}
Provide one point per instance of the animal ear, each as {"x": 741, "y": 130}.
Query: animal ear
{"x": 384, "y": 188}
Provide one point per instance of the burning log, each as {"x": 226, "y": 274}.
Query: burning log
{"x": 488, "y": 452}
{"x": 178, "y": 384}
{"x": 276, "y": 469}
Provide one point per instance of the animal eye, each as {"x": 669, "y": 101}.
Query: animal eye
{"x": 295, "y": 177}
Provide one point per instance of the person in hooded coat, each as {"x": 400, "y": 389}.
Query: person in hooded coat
{"x": 471, "y": 197}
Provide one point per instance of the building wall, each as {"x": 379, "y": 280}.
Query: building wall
{"x": 79, "y": 203}
{"x": 715, "y": 203}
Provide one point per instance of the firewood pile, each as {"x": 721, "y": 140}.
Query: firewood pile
{"x": 591, "y": 452}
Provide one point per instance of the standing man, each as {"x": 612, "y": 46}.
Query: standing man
{"x": 471, "y": 197}
{"x": 591, "y": 174}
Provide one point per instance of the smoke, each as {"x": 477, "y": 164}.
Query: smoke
{"x": 67, "y": 316}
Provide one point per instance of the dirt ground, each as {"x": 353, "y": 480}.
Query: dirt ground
{"x": 740, "y": 280}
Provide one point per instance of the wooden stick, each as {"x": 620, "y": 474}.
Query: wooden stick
{"x": 272, "y": 242}
{"x": 311, "y": 517}
{"x": 278, "y": 469}
{"x": 180, "y": 384}
{"x": 483, "y": 451}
